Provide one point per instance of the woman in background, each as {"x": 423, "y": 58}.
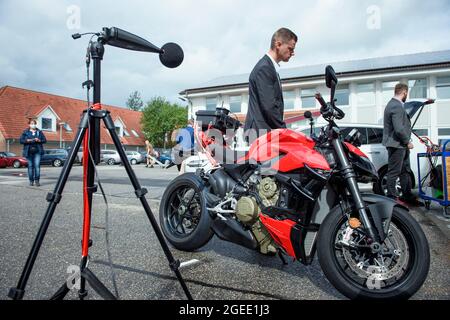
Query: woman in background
{"x": 150, "y": 154}
{"x": 32, "y": 140}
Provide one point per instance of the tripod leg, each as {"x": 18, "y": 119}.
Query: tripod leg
{"x": 61, "y": 293}
{"x": 140, "y": 193}
{"x": 97, "y": 285}
{"x": 53, "y": 198}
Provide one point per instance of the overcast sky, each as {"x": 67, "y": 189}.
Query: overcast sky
{"x": 219, "y": 38}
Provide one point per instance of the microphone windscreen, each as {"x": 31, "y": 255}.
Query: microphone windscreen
{"x": 307, "y": 114}
{"x": 172, "y": 55}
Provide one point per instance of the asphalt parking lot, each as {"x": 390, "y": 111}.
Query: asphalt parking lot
{"x": 225, "y": 271}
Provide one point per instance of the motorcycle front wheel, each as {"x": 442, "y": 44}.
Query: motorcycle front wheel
{"x": 183, "y": 215}
{"x": 397, "y": 271}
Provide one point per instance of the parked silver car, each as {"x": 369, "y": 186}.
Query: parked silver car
{"x": 134, "y": 157}
{"x": 110, "y": 157}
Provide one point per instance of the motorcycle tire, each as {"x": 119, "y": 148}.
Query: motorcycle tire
{"x": 190, "y": 186}
{"x": 417, "y": 264}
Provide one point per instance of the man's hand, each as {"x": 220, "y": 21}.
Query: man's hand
{"x": 37, "y": 140}
{"x": 410, "y": 146}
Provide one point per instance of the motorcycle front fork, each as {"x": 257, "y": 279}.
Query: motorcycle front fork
{"x": 350, "y": 177}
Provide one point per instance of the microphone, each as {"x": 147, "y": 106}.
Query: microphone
{"x": 123, "y": 39}
{"x": 308, "y": 115}
{"x": 172, "y": 55}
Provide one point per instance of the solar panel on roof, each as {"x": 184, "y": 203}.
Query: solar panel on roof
{"x": 370, "y": 64}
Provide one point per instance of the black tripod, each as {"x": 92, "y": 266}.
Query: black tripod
{"x": 89, "y": 133}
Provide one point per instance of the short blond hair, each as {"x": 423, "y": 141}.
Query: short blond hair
{"x": 400, "y": 87}
{"x": 283, "y": 34}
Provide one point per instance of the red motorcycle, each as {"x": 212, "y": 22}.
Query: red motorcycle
{"x": 294, "y": 195}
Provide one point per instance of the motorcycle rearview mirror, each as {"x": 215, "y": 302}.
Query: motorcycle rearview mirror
{"x": 331, "y": 81}
{"x": 330, "y": 77}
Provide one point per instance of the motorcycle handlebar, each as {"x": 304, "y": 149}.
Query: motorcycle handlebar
{"x": 320, "y": 99}
{"x": 328, "y": 110}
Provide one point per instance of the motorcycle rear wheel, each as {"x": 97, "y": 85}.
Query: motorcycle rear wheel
{"x": 360, "y": 274}
{"x": 184, "y": 219}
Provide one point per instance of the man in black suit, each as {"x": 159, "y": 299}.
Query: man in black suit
{"x": 397, "y": 140}
{"x": 266, "y": 105}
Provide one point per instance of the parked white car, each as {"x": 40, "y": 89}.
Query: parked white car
{"x": 134, "y": 157}
{"x": 371, "y": 145}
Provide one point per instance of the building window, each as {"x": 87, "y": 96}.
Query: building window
{"x": 211, "y": 104}
{"x": 444, "y": 132}
{"x": 135, "y": 133}
{"x": 421, "y": 132}
{"x": 417, "y": 88}
{"x": 443, "y": 87}
{"x": 388, "y": 91}
{"x": 289, "y": 100}
{"x": 308, "y": 98}
{"x": 125, "y": 133}
{"x": 119, "y": 131}
{"x": 47, "y": 124}
{"x": 342, "y": 96}
{"x": 366, "y": 94}
{"x": 444, "y": 136}
{"x": 235, "y": 104}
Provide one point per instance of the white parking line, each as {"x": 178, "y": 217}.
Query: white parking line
{"x": 12, "y": 181}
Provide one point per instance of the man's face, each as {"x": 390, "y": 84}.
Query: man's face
{"x": 405, "y": 96}
{"x": 286, "y": 50}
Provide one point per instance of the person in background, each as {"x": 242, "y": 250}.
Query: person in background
{"x": 33, "y": 140}
{"x": 397, "y": 140}
{"x": 150, "y": 154}
{"x": 185, "y": 144}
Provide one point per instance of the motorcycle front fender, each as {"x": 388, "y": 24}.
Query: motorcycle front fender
{"x": 380, "y": 209}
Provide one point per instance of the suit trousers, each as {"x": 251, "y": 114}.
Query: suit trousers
{"x": 398, "y": 167}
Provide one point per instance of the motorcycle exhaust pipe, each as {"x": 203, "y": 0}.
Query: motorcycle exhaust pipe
{"x": 230, "y": 230}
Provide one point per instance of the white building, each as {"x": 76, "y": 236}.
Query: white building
{"x": 365, "y": 87}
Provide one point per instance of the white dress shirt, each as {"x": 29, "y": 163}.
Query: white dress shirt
{"x": 277, "y": 68}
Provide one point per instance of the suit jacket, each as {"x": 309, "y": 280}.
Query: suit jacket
{"x": 266, "y": 104}
{"x": 397, "y": 125}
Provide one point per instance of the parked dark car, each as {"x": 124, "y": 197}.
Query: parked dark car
{"x": 54, "y": 157}
{"x": 12, "y": 160}
{"x": 164, "y": 156}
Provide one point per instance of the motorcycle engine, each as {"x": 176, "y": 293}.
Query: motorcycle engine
{"x": 247, "y": 211}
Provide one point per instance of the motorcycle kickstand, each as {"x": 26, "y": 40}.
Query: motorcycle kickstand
{"x": 280, "y": 254}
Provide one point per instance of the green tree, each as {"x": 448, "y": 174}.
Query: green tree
{"x": 160, "y": 118}
{"x": 135, "y": 102}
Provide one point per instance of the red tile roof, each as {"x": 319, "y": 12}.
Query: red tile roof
{"x": 18, "y": 105}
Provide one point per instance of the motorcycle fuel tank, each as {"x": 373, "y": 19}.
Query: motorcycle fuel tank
{"x": 286, "y": 150}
